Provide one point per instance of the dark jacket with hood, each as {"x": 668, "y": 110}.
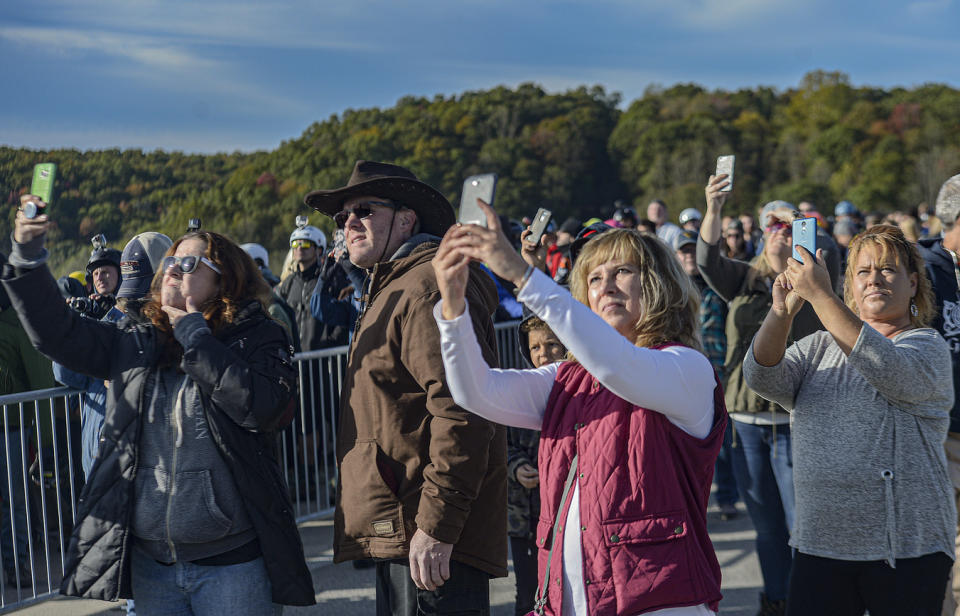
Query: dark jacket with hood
{"x": 244, "y": 377}
{"x": 410, "y": 458}
{"x": 297, "y": 289}
{"x": 946, "y": 320}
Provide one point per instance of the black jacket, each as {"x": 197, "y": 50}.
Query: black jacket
{"x": 946, "y": 320}
{"x": 246, "y": 379}
{"x": 297, "y": 289}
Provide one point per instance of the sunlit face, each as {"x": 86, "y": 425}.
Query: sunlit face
{"x": 305, "y": 256}
{"x": 105, "y": 279}
{"x": 544, "y": 347}
{"x": 201, "y": 285}
{"x": 778, "y": 246}
{"x": 614, "y": 292}
{"x": 882, "y": 290}
{"x": 371, "y": 239}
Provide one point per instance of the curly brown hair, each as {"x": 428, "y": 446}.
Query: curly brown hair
{"x": 240, "y": 283}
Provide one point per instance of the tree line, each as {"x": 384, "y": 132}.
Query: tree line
{"x": 575, "y": 152}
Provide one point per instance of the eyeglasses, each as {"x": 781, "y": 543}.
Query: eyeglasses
{"x": 777, "y": 226}
{"x": 302, "y": 244}
{"x": 361, "y": 211}
{"x": 188, "y": 264}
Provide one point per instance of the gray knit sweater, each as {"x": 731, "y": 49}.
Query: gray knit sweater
{"x": 868, "y": 430}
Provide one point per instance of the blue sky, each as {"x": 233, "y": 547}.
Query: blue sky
{"x": 222, "y": 75}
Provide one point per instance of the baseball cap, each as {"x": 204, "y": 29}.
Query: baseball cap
{"x": 685, "y": 238}
{"x": 139, "y": 262}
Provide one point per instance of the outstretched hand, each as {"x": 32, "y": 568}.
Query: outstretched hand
{"x": 716, "y": 197}
{"x": 534, "y": 254}
{"x": 489, "y": 246}
{"x": 786, "y": 301}
{"x": 452, "y": 269}
{"x": 27, "y": 229}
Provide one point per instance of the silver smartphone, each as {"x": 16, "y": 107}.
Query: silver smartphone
{"x": 476, "y": 187}
{"x": 725, "y": 166}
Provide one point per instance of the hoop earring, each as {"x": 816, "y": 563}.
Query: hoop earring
{"x": 913, "y": 308}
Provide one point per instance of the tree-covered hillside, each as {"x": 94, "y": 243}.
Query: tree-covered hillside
{"x": 573, "y": 152}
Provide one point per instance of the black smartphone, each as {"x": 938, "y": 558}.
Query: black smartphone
{"x": 539, "y": 226}
{"x": 476, "y": 187}
{"x": 725, "y": 166}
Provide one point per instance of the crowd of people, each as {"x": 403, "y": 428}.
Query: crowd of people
{"x": 663, "y": 361}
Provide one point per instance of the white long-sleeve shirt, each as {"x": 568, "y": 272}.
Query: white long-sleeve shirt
{"x": 676, "y": 381}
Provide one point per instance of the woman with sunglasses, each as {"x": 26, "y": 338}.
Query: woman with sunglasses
{"x": 185, "y": 509}
{"x": 762, "y": 461}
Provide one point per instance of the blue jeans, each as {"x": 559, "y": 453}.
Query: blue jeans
{"x": 186, "y": 589}
{"x": 763, "y": 466}
{"x": 13, "y": 537}
{"x": 727, "y": 493}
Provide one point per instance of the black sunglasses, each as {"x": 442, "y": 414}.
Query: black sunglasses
{"x": 188, "y": 264}
{"x": 361, "y": 211}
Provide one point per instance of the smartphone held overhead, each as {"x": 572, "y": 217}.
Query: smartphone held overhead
{"x": 725, "y": 167}
{"x": 539, "y": 226}
{"x": 475, "y": 187}
{"x": 44, "y": 175}
{"x": 804, "y": 232}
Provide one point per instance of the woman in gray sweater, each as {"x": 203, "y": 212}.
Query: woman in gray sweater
{"x": 870, "y": 401}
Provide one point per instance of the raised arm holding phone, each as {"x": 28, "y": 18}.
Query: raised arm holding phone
{"x": 639, "y": 390}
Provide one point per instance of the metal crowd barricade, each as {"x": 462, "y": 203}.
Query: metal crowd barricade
{"x": 39, "y": 490}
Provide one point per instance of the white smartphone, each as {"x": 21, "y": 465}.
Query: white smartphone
{"x": 725, "y": 166}
{"x": 476, "y": 187}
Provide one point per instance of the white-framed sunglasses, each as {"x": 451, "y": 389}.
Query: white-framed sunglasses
{"x": 188, "y": 264}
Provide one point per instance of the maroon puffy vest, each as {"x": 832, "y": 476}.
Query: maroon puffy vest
{"x": 644, "y": 485}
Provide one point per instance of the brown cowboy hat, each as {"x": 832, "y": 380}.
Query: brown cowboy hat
{"x": 389, "y": 182}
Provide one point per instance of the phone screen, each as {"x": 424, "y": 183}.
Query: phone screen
{"x": 804, "y": 234}
{"x": 476, "y": 187}
{"x": 725, "y": 166}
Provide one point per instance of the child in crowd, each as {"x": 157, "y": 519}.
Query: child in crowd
{"x": 539, "y": 346}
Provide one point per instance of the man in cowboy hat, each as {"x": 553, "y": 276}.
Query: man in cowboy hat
{"x": 423, "y": 482}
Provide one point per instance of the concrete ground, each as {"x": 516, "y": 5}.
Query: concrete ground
{"x": 345, "y": 591}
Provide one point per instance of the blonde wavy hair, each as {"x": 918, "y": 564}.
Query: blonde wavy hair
{"x": 893, "y": 247}
{"x": 670, "y": 303}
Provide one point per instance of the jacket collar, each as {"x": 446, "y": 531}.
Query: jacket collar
{"x": 408, "y": 247}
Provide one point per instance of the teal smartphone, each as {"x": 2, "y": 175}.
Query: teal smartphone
{"x": 804, "y": 234}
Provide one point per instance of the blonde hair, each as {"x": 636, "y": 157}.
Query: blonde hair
{"x": 893, "y": 247}
{"x": 670, "y": 303}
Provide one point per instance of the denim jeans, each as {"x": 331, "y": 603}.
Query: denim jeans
{"x": 727, "y": 493}
{"x": 187, "y": 589}
{"x": 466, "y": 593}
{"x": 763, "y": 465}
{"x": 13, "y": 536}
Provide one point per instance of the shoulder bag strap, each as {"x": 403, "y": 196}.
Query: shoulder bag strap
{"x": 543, "y": 590}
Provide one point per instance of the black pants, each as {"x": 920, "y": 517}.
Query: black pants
{"x": 829, "y": 587}
{"x": 524, "y": 552}
{"x": 466, "y": 593}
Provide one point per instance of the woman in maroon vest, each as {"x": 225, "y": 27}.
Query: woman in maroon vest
{"x": 630, "y": 425}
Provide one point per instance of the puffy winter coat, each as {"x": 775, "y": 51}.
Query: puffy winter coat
{"x": 246, "y": 379}
{"x": 644, "y": 485}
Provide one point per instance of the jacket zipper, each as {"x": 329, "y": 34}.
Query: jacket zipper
{"x": 178, "y": 432}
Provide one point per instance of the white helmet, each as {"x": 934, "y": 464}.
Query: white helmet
{"x": 690, "y": 214}
{"x": 311, "y": 233}
{"x": 256, "y": 251}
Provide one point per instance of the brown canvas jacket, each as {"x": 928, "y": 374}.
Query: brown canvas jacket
{"x": 408, "y": 456}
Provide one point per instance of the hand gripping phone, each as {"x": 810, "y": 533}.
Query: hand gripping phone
{"x": 804, "y": 234}
{"x": 725, "y": 165}
{"x": 476, "y": 187}
{"x": 539, "y": 226}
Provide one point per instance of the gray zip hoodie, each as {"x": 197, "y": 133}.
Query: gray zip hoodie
{"x": 187, "y": 505}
